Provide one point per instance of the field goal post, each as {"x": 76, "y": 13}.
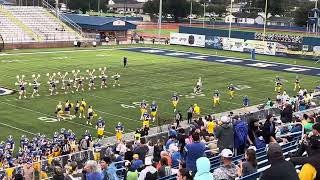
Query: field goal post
{"x": 1, "y": 43}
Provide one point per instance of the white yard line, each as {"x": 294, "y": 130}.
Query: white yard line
{"x": 16, "y": 128}
{"x": 54, "y": 52}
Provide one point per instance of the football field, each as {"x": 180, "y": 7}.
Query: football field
{"x": 148, "y": 77}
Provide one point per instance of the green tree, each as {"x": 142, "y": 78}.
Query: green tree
{"x": 301, "y": 14}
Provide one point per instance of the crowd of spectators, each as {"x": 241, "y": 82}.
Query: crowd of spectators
{"x": 278, "y": 37}
{"x": 184, "y": 154}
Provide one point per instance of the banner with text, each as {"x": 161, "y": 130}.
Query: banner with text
{"x": 187, "y": 39}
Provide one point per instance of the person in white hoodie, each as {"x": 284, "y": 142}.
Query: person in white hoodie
{"x": 149, "y": 172}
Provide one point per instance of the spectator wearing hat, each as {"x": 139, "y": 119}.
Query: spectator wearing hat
{"x": 149, "y": 171}
{"x": 108, "y": 169}
{"x": 194, "y": 151}
{"x": 280, "y": 168}
{"x": 227, "y": 170}
{"x": 28, "y": 171}
{"x": 203, "y": 169}
{"x": 136, "y": 162}
{"x": 249, "y": 165}
{"x": 224, "y": 133}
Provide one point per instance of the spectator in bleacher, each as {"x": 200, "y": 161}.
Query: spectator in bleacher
{"x": 240, "y": 134}
{"x": 175, "y": 156}
{"x": 182, "y": 140}
{"x": 287, "y": 113}
{"x": 172, "y": 131}
{"x": 73, "y": 173}
{"x": 131, "y": 174}
{"x": 210, "y": 126}
{"x": 183, "y": 174}
{"x": 269, "y": 130}
{"x": 92, "y": 171}
{"x": 171, "y": 141}
{"x": 249, "y": 165}
{"x": 224, "y": 134}
{"x": 28, "y": 171}
{"x": 308, "y": 125}
{"x": 142, "y": 149}
{"x": 128, "y": 155}
{"x": 164, "y": 154}
{"x": 253, "y": 129}
{"x": 194, "y": 151}
{"x": 165, "y": 168}
{"x": 311, "y": 168}
{"x": 149, "y": 172}
{"x": 158, "y": 148}
{"x": 58, "y": 174}
{"x": 203, "y": 169}
{"x": 227, "y": 170}
{"x": 136, "y": 163}
{"x": 280, "y": 168}
{"x": 108, "y": 169}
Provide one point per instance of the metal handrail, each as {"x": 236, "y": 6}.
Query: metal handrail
{"x": 51, "y": 9}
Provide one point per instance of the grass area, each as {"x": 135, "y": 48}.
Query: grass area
{"x": 148, "y": 77}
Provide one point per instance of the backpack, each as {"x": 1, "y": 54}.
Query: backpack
{"x": 260, "y": 143}
{"x": 241, "y": 131}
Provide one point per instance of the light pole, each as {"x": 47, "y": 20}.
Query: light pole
{"x": 204, "y": 13}
{"x": 230, "y": 20}
{"x": 160, "y": 20}
{"x": 190, "y": 16}
{"x": 99, "y": 7}
{"x": 265, "y": 20}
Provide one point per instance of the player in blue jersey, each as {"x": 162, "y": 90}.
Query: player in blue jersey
{"x": 100, "y": 127}
{"x": 154, "y": 110}
{"x": 143, "y": 108}
{"x": 245, "y": 102}
{"x": 10, "y": 145}
{"x": 119, "y": 131}
{"x": 231, "y": 90}
{"x": 175, "y": 101}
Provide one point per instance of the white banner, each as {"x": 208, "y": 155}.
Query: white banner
{"x": 187, "y": 39}
{"x": 233, "y": 44}
{"x": 261, "y": 47}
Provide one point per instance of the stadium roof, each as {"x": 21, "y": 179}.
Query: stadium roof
{"x": 101, "y": 23}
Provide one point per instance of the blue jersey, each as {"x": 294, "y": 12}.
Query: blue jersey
{"x": 175, "y": 98}
{"x": 231, "y": 88}
{"x": 154, "y": 107}
{"x": 10, "y": 142}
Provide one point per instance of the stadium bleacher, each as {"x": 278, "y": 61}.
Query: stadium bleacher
{"x": 43, "y": 25}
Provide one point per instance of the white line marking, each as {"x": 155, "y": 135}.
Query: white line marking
{"x": 19, "y": 129}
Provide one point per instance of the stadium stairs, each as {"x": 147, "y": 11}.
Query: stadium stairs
{"x": 38, "y": 23}
{"x": 13, "y": 30}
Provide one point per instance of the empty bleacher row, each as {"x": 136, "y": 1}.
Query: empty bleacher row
{"x": 43, "y": 26}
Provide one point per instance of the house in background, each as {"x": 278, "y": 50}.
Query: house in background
{"x": 235, "y": 8}
{"x": 280, "y": 21}
{"x": 125, "y": 6}
{"x": 244, "y": 18}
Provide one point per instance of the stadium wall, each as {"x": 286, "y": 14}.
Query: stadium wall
{"x": 34, "y": 45}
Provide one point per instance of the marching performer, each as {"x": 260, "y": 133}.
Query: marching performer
{"x": 91, "y": 79}
{"x": 75, "y": 77}
{"x": 80, "y": 84}
{"x": 53, "y": 84}
{"x": 103, "y": 77}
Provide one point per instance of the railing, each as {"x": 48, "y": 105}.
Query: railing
{"x": 64, "y": 18}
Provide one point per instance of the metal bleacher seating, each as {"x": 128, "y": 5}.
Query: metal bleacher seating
{"x": 261, "y": 155}
{"x": 12, "y": 32}
{"x": 45, "y": 25}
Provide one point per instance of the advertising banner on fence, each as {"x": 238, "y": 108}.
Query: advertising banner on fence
{"x": 187, "y": 39}
{"x": 214, "y": 42}
{"x": 261, "y": 47}
{"x": 233, "y": 44}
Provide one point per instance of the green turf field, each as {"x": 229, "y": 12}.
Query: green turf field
{"x": 148, "y": 77}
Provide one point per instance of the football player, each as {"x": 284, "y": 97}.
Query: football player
{"x": 143, "y": 108}
{"x": 297, "y": 84}
{"x": 83, "y": 106}
{"x": 216, "y": 98}
{"x": 119, "y": 131}
{"x": 90, "y": 115}
{"x": 59, "y": 111}
{"x": 175, "y": 101}
{"x": 100, "y": 127}
{"x": 154, "y": 110}
{"x": 231, "y": 90}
